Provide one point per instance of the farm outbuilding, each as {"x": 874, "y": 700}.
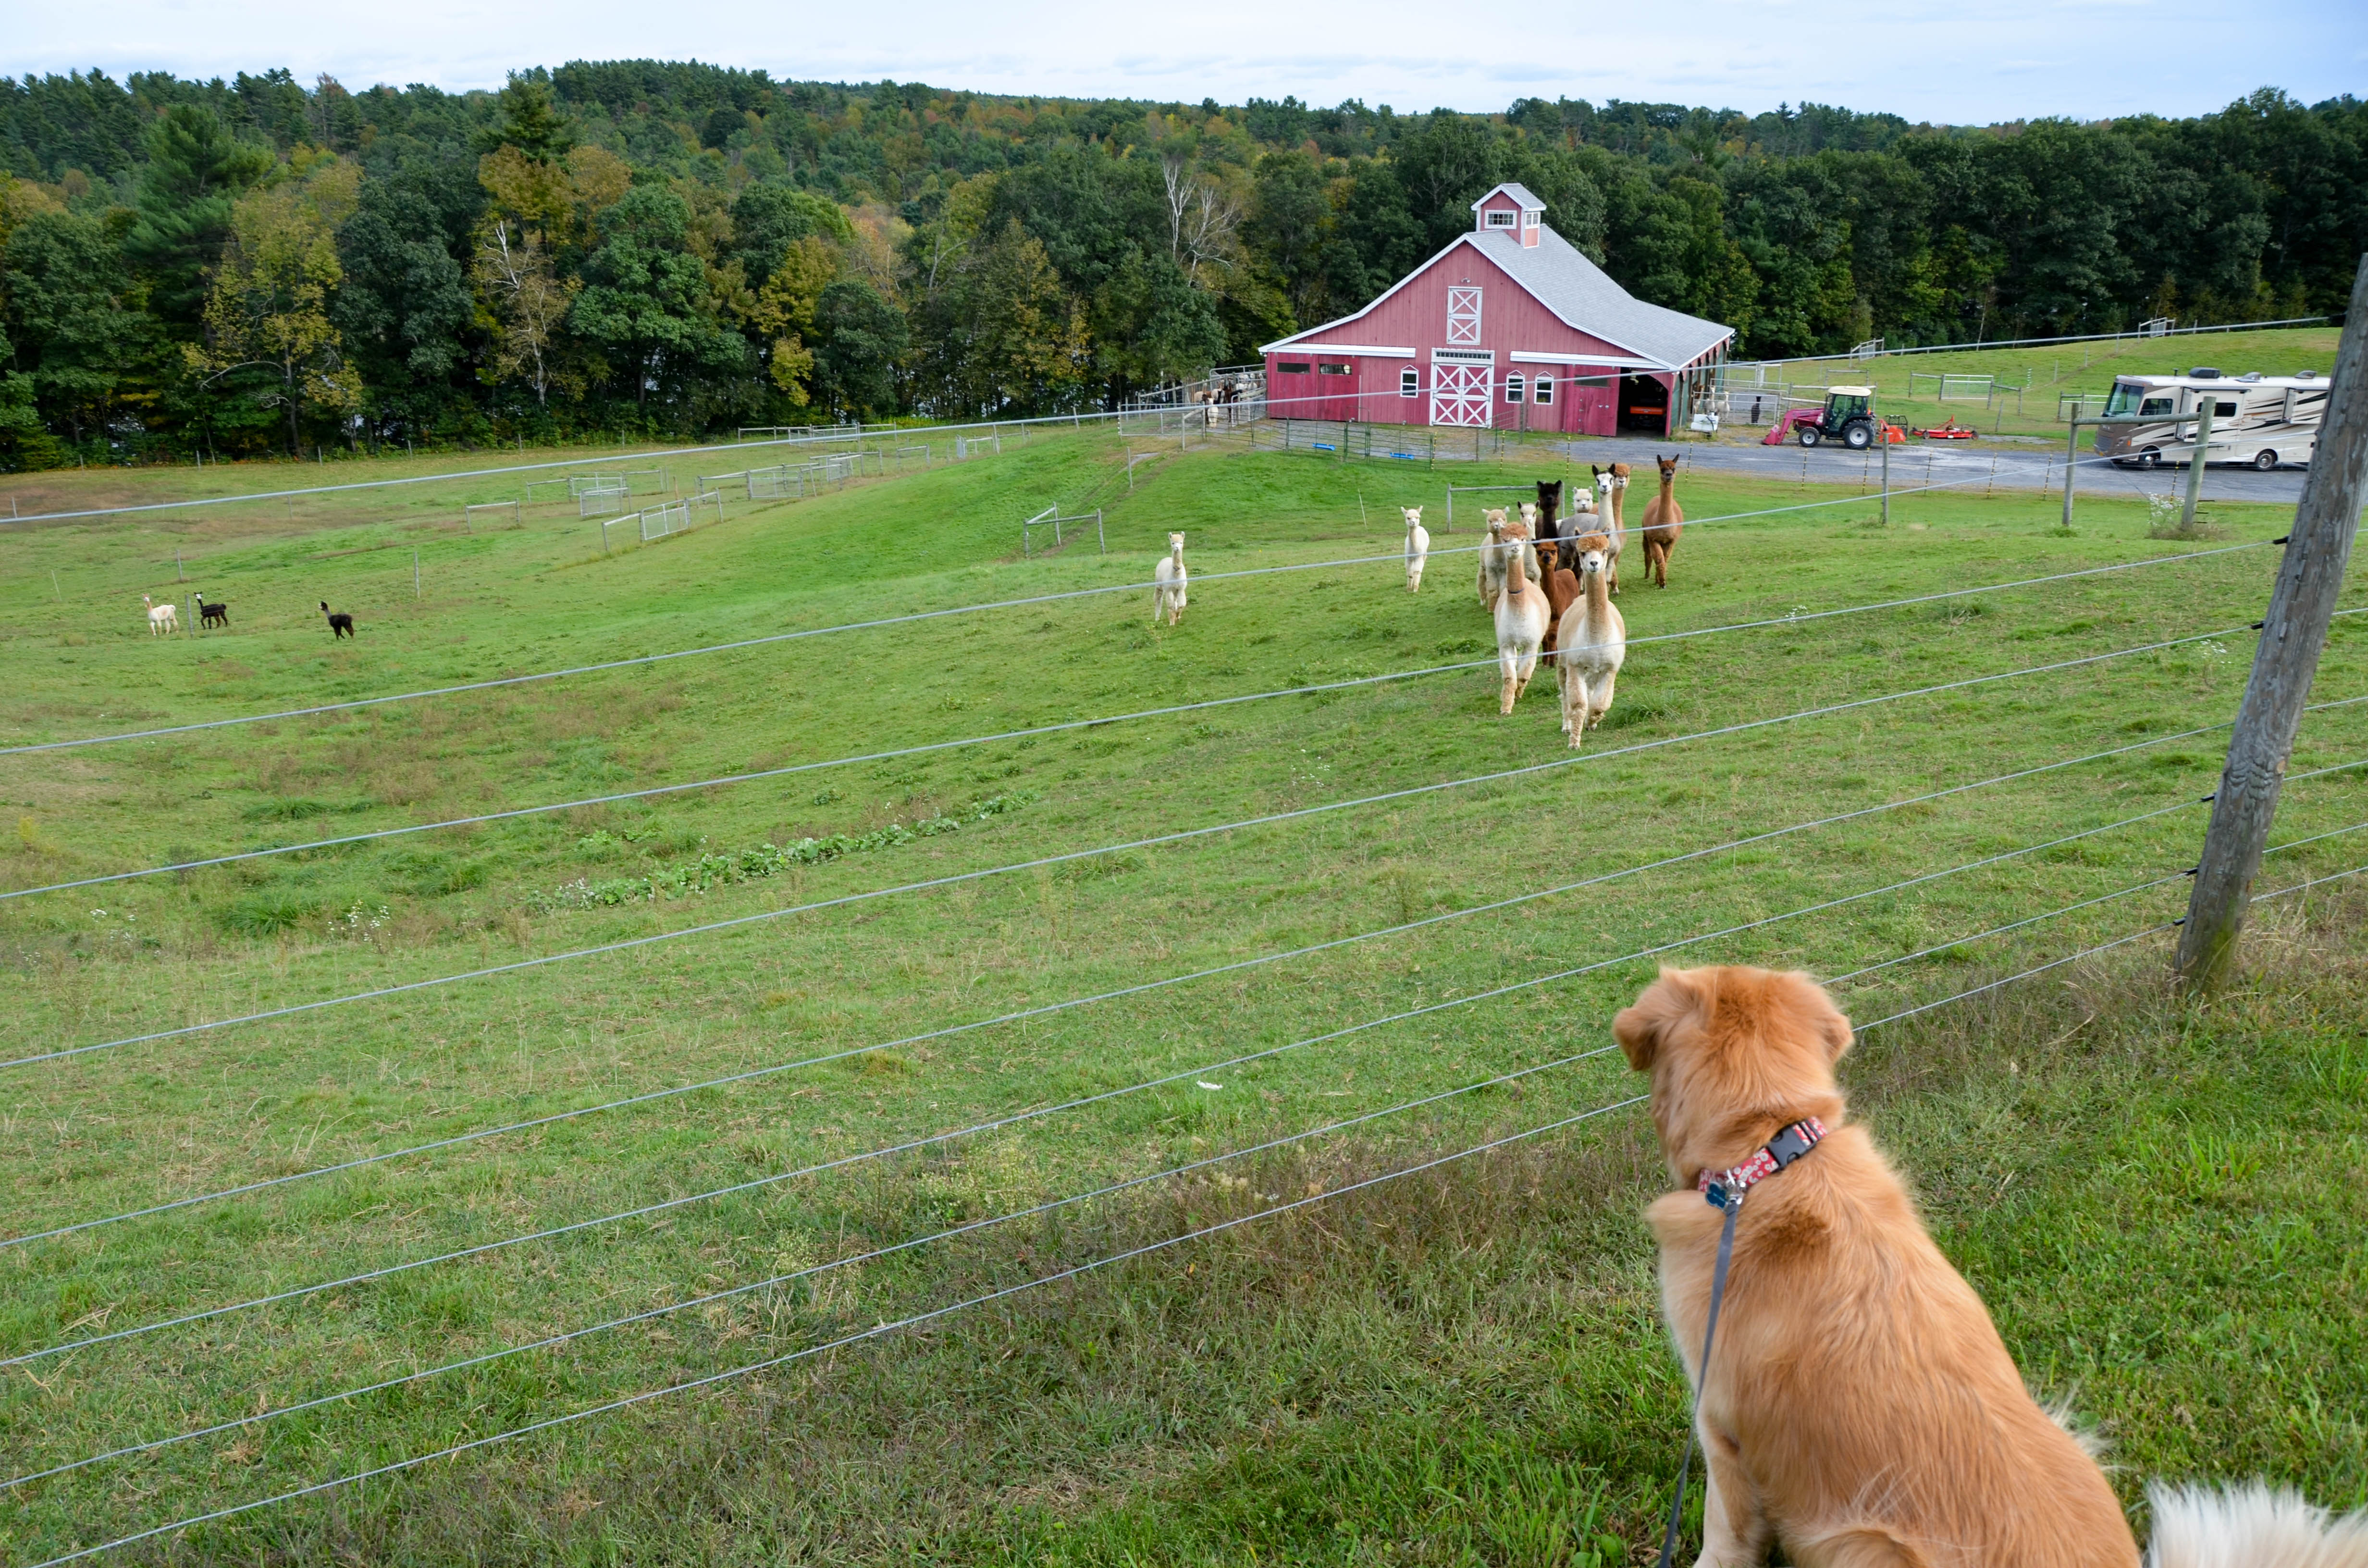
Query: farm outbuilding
{"x": 1510, "y": 327}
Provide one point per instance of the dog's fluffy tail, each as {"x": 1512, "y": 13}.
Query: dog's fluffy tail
{"x": 2251, "y": 1526}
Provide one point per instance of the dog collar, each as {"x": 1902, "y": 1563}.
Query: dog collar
{"x": 1725, "y": 1188}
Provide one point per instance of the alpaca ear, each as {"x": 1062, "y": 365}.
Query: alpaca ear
{"x": 1639, "y": 1028}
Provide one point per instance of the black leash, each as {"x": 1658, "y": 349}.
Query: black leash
{"x": 1732, "y": 1204}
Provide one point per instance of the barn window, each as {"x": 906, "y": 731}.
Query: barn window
{"x": 1499, "y": 219}
{"x": 1463, "y": 314}
{"x": 1528, "y": 219}
{"x": 1546, "y": 389}
{"x": 1335, "y": 369}
{"x": 1409, "y": 383}
{"x": 1513, "y": 387}
{"x": 1287, "y": 368}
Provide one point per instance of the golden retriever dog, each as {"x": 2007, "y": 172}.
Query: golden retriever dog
{"x": 1860, "y": 1406}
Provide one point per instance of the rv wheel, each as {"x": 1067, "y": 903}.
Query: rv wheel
{"x": 2265, "y": 461}
{"x": 2151, "y": 457}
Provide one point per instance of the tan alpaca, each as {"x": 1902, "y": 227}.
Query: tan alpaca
{"x": 1417, "y": 549}
{"x": 163, "y": 619}
{"x": 1167, "y": 583}
{"x": 1520, "y": 614}
{"x": 1591, "y": 643}
{"x": 1664, "y": 521}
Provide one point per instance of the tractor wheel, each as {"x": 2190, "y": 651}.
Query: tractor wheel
{"x": 1809, "y": 435}
{"x": 1858, "y": 435}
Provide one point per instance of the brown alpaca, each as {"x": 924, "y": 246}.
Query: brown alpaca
{"x": 1664, "y": 521}
{"x": 1561, "y": 584}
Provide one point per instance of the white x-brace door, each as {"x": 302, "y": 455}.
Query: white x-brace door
{"x": 1461, "y": 395}
{"x": 1463, "y": 314}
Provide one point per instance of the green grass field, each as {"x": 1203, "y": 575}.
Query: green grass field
{"x": 2047, "y": 374}
{"x": 1462, "y": 1366}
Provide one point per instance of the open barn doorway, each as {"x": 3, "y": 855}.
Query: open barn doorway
{"x": 1644, "y": 405}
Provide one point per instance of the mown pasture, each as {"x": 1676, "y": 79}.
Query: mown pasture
{"x": 1459, "y": 1366}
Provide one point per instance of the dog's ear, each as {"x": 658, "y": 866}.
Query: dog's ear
{"x": 1832, "y": 1025}
{"x": 1639, "y": 1028}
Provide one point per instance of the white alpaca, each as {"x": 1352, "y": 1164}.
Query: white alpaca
{"x": 1418, "y": 547}
{"x": 1505, "y": 540}
{"x": 1591, "y": 643}
{"x": 1613, "y": 484}
{"x": 161, "y": 618}
{"x": 1167, "y": 583}
{"x": 1520, "y": 613}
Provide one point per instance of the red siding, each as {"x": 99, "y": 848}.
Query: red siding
{"x": 1415, "y": 317}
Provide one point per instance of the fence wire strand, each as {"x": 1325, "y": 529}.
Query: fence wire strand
{"x": 1182, "y": 835}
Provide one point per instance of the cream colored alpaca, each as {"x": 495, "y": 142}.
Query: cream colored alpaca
{"x": 1612, "y": 482}
{"x": 1591, "y": 643}
{"x": 1497, "y": 556}
{"x": 1520, "y": 613}
{"x": 1418, "y": 547}
{"x": 163, "y": 619}
{"x": 1167, "y": 583}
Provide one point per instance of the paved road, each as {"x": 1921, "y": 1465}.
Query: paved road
{"x": 1919, "y": 463}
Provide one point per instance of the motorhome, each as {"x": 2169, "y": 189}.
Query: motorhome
{"x": 2267, "y": 421}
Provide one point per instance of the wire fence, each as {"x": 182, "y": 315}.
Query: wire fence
{"x": 2168, "y": 870}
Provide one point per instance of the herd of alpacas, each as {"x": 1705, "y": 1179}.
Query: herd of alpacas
{"x": 1555, "y": 604}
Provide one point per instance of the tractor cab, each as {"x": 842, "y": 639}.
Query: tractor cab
{"x": 1847, "y": 417}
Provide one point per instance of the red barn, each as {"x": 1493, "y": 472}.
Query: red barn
{"x": 1510, "y": 327}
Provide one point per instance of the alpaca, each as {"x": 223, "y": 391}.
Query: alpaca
{"x": 1418, "y": 547}
{"x": 163, "y": 619}
{"x": 1530, "y": 521}
{"x": 212, "y": 615}
{"x": 1561, "y": 585}
{"x": 1593, "y": 643}
{"x": 1497, "y": 556}
{"x": 1612, "y": 484}
{"x": 1167, "y": 583}
{"x": 1664, "y": 521}
{"x": 1520, "y": 614}
{"x": 1549, "y": 513}
{"x": 340, "y": 623}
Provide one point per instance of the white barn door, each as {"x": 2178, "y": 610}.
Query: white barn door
{"x": 1461, "y": 395}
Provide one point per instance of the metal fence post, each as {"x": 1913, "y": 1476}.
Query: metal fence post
{"x": 2310, "y": 579}
{"x": 2071, "y": 461}
{"x": 2195, "y": 463}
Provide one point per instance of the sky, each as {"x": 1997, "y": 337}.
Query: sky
{"x": 1946, "y": 63}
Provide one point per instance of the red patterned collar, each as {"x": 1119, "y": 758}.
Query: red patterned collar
{"x": 1725, "y": 1189}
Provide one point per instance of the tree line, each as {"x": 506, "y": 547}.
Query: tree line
{"x": 664, "y": 249}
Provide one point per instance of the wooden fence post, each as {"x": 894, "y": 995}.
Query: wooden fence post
{"x": 2310, "y": 578}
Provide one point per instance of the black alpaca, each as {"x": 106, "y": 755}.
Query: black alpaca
{"x": 212, "y": 615}
{"x": 340, "y": 623}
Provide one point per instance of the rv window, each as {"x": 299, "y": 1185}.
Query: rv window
{"x": 2224, "y": 411}
{"x": 2166, "y": 406}
{"x": 1287, "y": 368}
{"x": 2123, "y": 401}
{"x": 1409, "y": 383}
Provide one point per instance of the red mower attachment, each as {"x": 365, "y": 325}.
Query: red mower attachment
{"x": 1951, "y": 431}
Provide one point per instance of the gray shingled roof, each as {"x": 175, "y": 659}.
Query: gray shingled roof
{"x": 1584, "y": 296}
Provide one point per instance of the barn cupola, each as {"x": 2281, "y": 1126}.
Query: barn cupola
{"x": 1512, "y": 210}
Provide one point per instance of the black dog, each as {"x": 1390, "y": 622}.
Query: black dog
{"x": 340, "y": 623}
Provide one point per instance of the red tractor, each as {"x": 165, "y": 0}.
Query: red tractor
{"x": 1848, "y": 417}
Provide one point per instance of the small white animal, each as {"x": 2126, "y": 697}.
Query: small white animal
{"x": 1167, "y": 583}
{"x": 1590, "y": 644}
{"x": 1521, "y": 615}
{"x": 1418, "y": 547}
{"x": 162, "y": 619}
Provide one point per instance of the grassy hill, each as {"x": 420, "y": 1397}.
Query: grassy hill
{"x": 1464, "y": 1365}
